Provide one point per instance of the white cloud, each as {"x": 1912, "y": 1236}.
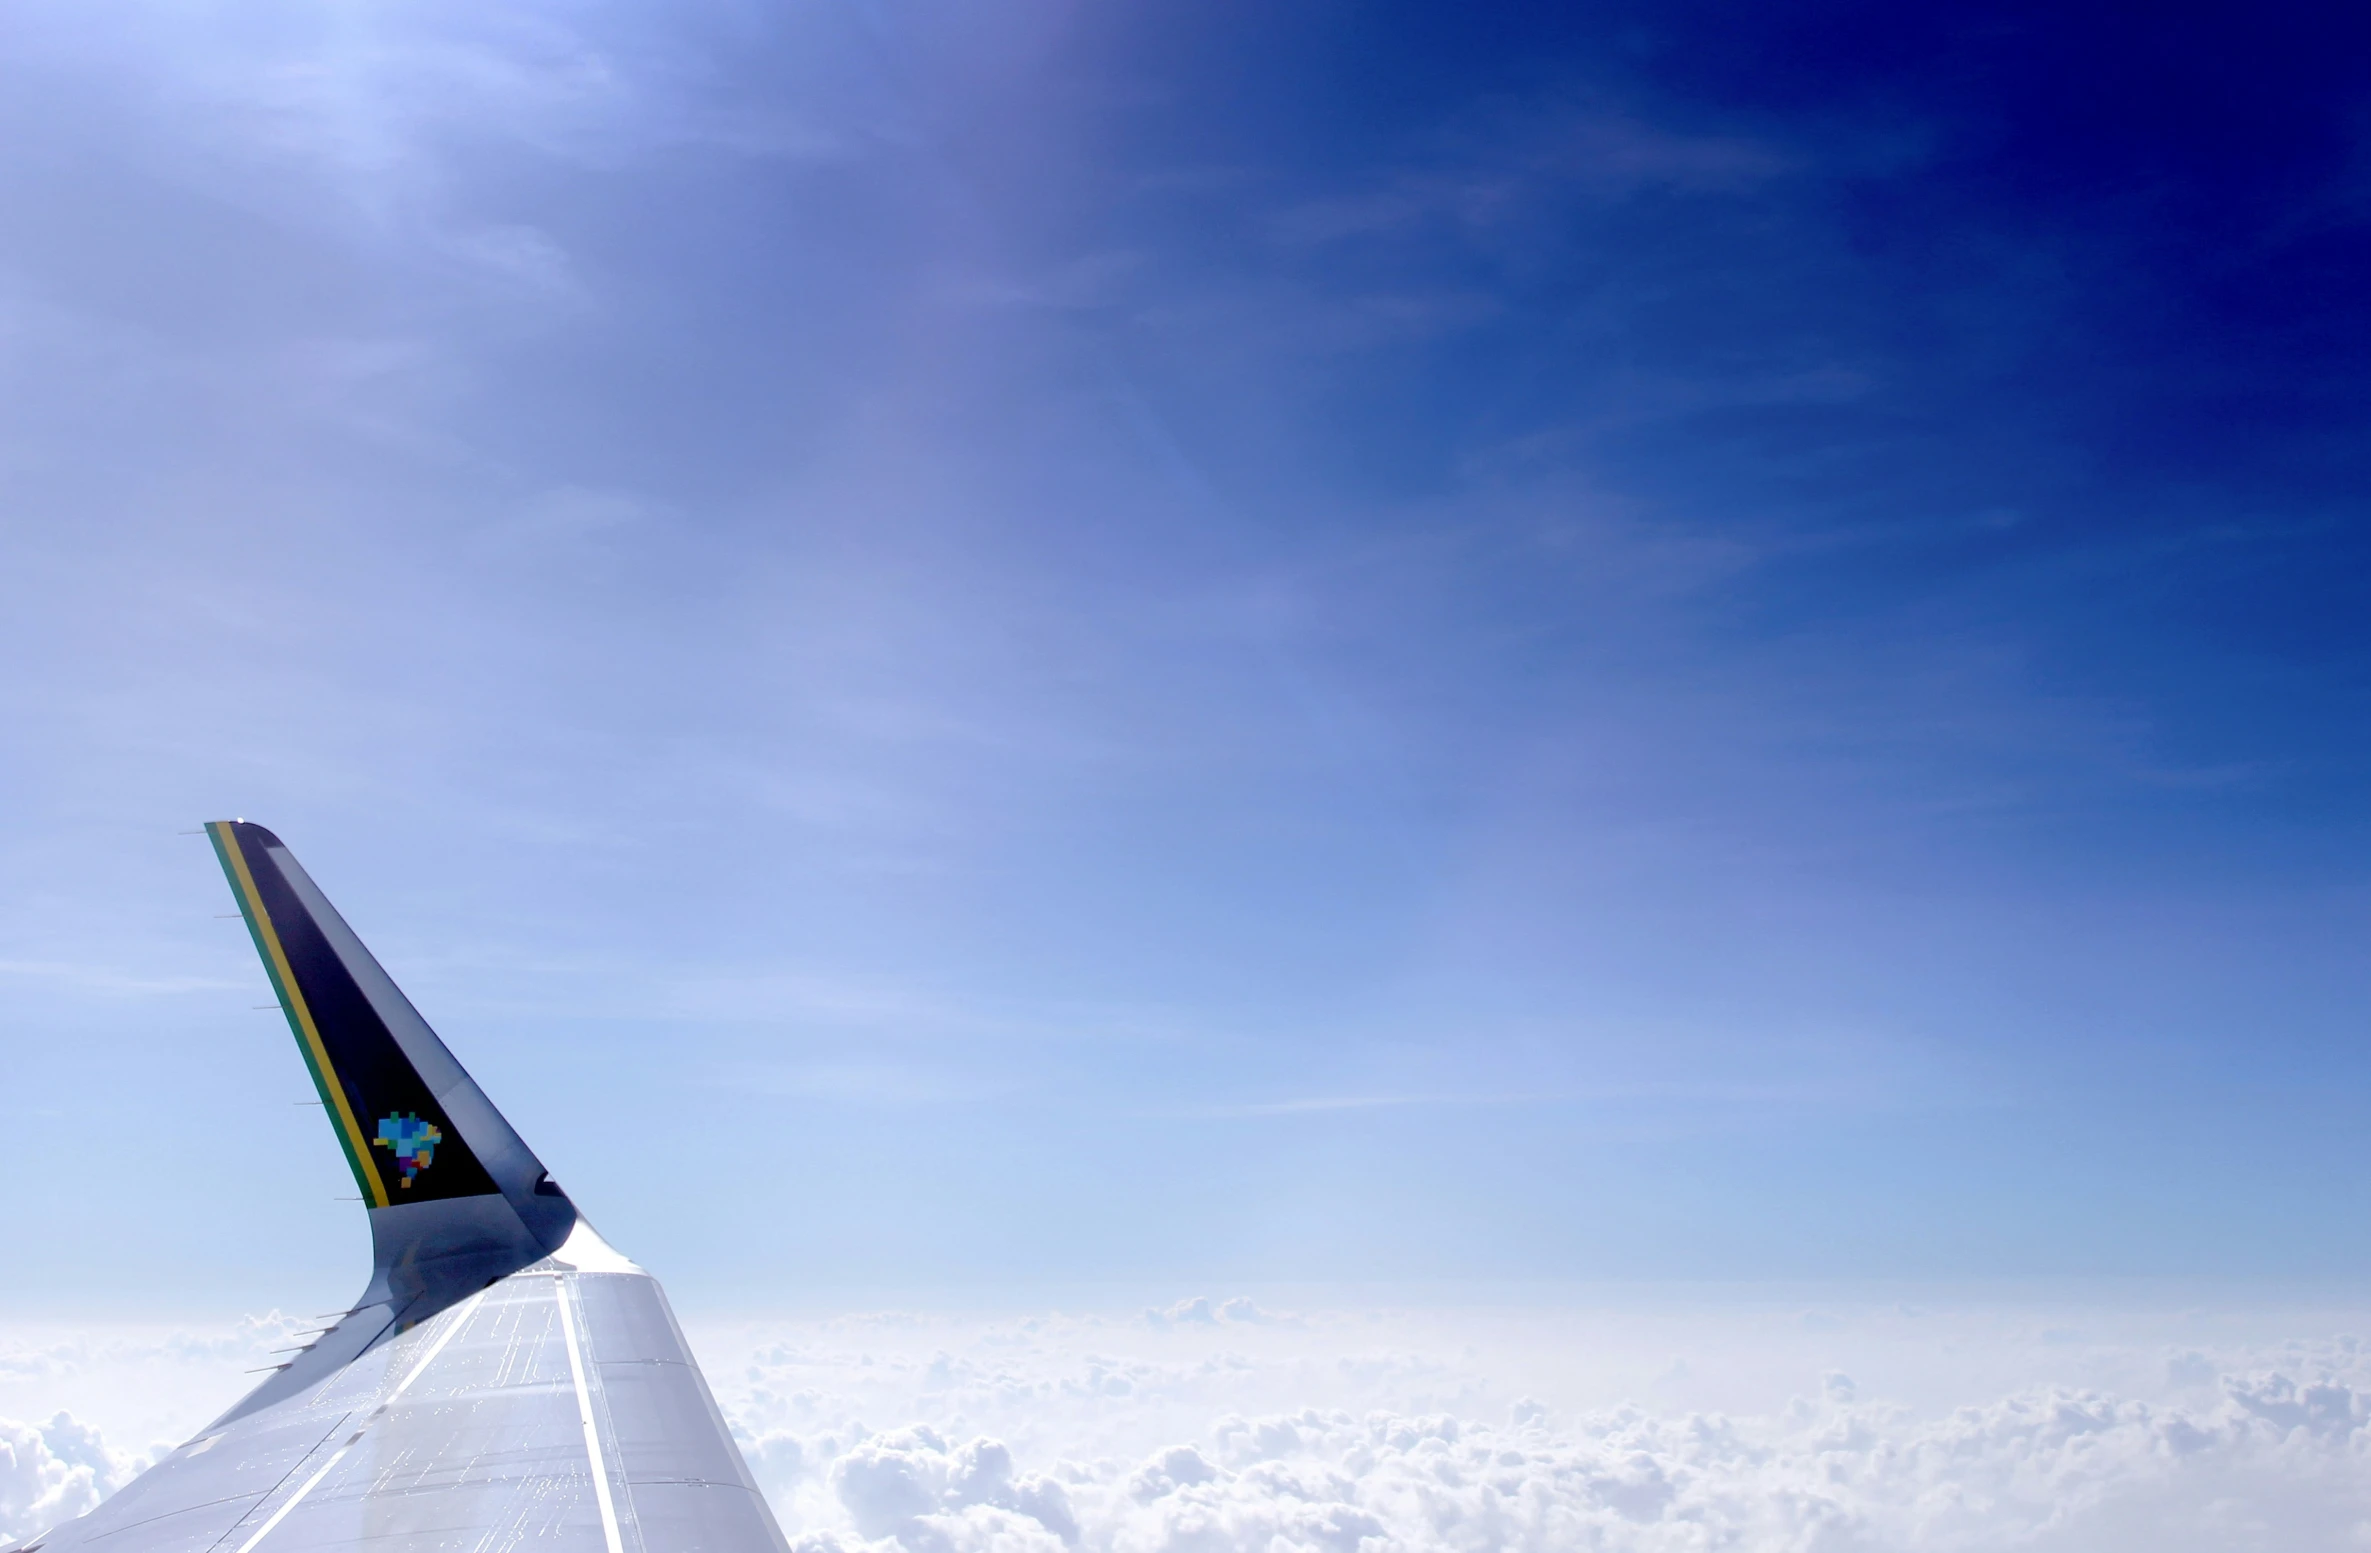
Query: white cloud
{"x": 1161, "y": 1435}
{"x": 53, "y": 1472}
{"x": 2276, "y": 1462}
{"x": 1216, "y": 1427}
{"x": 1201, "y": 1311}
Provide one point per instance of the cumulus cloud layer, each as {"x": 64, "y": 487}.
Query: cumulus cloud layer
{"x": 1176, "y": 1429}
{"x": 2275, "y": 1463}
{"x": 53, "y": 1472}
{"x": 1210, "y": 1425}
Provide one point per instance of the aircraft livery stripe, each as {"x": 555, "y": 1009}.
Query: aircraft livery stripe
{"x": 300, "y": 1017}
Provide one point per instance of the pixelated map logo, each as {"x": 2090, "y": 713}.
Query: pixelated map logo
{"x": 413, "y": 1141}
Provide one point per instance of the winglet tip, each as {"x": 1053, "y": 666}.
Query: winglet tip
{"x": 228, "y": 828}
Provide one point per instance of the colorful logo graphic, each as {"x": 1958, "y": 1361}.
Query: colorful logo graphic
{"x": 413, "y": 1140}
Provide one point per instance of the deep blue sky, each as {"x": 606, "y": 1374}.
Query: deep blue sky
{"x": 1146, "y": 642}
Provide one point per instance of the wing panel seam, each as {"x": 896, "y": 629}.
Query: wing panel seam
{"x": 460, "y": 1320}
{"x": 584, "y": 1414}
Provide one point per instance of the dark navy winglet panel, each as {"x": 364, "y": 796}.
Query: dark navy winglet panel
{"x": 397, "y": 1135}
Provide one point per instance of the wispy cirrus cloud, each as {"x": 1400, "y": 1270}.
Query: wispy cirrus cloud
{"x": 114, "y": 981}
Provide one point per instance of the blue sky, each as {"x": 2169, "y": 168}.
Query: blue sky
{"x": 1082, "y": 643}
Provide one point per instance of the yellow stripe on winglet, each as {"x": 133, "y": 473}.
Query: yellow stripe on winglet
{"x": 300, "y": 1017}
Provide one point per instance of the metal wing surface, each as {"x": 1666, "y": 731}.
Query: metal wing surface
{"x": 506, "y": 1380}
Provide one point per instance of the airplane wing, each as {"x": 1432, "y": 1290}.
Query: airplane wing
{"x": 505, "y": 1381}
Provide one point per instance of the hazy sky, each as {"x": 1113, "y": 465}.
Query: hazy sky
{"x": 981, "y": 644}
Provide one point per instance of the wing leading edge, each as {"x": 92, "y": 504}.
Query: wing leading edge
{"x": 505, "y": 1378}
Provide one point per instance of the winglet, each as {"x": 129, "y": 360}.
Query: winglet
{"x": 456, "y": 1196}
